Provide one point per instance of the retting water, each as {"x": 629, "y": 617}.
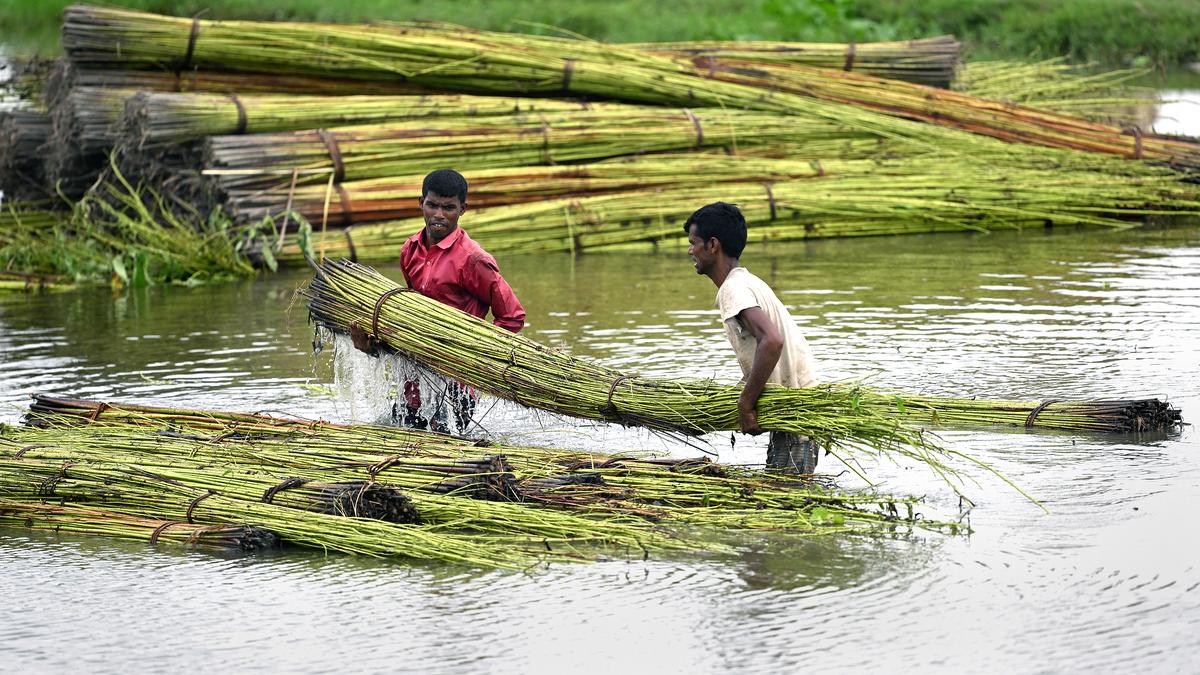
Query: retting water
{"x": 1107, "y": 580}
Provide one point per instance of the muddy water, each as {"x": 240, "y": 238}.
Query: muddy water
{"x": 1107, "y": 579}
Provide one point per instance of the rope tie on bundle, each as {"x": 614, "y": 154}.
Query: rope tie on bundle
{"x": 770, "y": 199}
{"x": 161, "y": 528}
{"x": 100, "y": 408}
{"x": 335, "y": 154}
{"x": 1136, "y": 132}
{"x": 46, "y": 487}
{"x": 191, "y": 47}
{"x": 379, "y": 305}
{"x": 286, "y": 484}
{"x": 568, "y": 71}
{"x": 375, "y": 469}
{"x": 1029, "y": 421}
{"x": 350, "y": 244}
{"x": 241, "y": 113}
{"x": 512, "y": 362}
{"x": 192, "y": 504}
{"x": 26, "y": 449}
{"x": 850, "y": 53}
{"x": 696, "y": 123}
{"x": 816, "y": 165}
{"x": 347, "y": 208}
{"x": 610, "y": 408}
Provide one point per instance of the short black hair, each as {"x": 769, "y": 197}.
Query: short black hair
{"x": 447, "y": 183}
{"x": 723, "y": 221}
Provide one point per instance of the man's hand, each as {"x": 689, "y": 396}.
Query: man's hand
{"x": 365, "y": 342}
{"x": 747, "y": 415}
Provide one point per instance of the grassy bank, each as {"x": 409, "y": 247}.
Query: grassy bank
{"x": 1159, "y": 32}
{"x": 1141, "y": 32}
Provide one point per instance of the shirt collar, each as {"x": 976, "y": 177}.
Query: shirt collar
{"x": 445, "y": 243}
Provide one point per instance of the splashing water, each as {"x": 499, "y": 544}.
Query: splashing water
{"x": 394, "y": 390}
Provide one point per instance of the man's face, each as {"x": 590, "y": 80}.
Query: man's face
{"x": 441, "y": 215}
{"x": 701, "y": 251}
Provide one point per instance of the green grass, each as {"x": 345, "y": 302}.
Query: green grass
{"x": 124, "y": 235}
{"x": 1124, "y": 32}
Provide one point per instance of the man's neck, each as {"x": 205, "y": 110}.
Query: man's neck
{"x": 722, "y": 269}
{"x": 428, "y": 240}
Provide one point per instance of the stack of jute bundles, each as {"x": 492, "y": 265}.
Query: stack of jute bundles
{"x": 810, "y": 137}
{"x": 102, "y": 55}
{"x": 213, "y": 479}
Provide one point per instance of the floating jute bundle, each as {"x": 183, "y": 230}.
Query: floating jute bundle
{"x": 82, "y": 520}
{"x": 613, "y": 504}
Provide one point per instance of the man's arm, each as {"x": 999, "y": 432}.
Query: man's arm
{"x": 766, "y": 357}
{"x": 485, "y": 282}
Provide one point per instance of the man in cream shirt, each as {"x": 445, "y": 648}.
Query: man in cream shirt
{"x": 768, "y": 344}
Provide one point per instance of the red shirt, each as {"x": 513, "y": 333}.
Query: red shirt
{"x": 457, "y": 272}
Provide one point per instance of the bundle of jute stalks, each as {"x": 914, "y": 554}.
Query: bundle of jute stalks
{"x": 447, "y": 57}
{"x": 336, "y": 155}
{"x": 200, "y": 467}
{"x": 23, "y": 133}
{"x": 79, "y": 519}
{"x": 390, "y": 198}
{"x": 450, "y": 57}
{"x": 516, "y": 368}
{"x": 932, "y": 61}
{"x": 783, "y": 200}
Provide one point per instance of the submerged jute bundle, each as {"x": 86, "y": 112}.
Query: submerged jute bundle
{"x": 134, "y": 490}
{"x": 82, "y": 520}
{"x": 516, "y": 368}
{"x": 136, "y": 461}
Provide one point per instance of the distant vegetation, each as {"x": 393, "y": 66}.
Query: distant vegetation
{"x": 1123, "y": 32}
{"x": 1118, "y": 32}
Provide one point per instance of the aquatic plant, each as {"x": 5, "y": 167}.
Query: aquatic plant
{"x": 124, "y": 234}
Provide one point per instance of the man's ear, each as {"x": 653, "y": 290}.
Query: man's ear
{"x": 462, "y": 209}
{"x": 421, "y": 200}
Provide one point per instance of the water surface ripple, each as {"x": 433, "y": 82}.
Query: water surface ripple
{"x": 1107, "y": 580}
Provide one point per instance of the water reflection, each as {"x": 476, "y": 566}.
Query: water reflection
{"x": 1178, "y": 113}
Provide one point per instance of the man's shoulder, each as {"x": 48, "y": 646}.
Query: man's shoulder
{"x": 473, "y": 251}
{"x": 739, "y": 278}
{"x": 413, "y": 240}
{"x": 743, "y": 289}
{"x": 748, "y": 279}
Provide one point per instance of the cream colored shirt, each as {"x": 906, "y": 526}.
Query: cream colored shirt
{"x": 741, "y": 290}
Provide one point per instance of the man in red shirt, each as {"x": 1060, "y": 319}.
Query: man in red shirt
{"x": 445, "y": 264}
